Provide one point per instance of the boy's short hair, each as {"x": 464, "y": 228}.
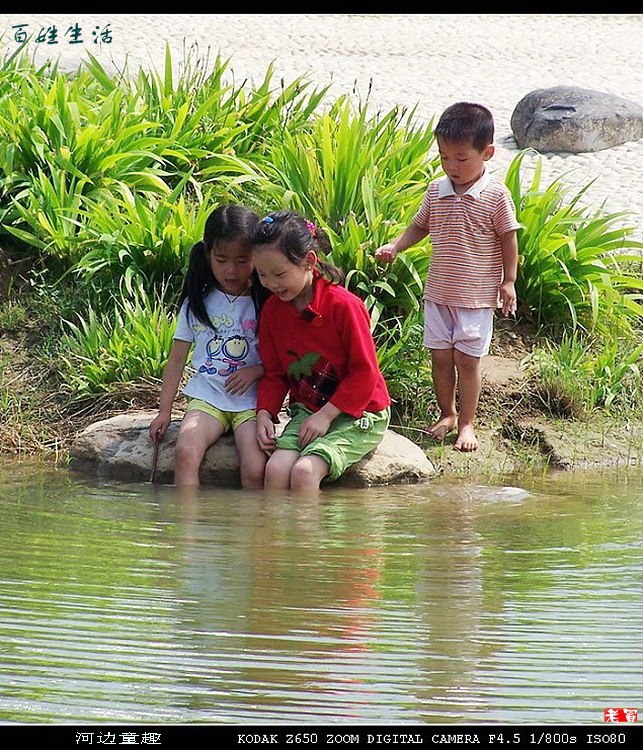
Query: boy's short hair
{"x": 466, "y": 121}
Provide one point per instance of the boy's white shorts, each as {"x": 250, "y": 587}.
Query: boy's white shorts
{"x": 466, "y": 329}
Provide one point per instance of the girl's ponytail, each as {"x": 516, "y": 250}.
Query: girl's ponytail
{"x": 324, "y": 247}
{"x": 198, "y": 281}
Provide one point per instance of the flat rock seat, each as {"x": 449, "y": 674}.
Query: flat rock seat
{"x": 120, "y": 448}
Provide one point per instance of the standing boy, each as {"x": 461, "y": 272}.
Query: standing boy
{"x": 471, "y": 220}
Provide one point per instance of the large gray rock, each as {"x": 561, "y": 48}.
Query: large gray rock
{"x": 574, "y": 120}
{"x": 120, "y": 448}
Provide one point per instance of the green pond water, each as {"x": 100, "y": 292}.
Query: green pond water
{"x": 447, "y": 602}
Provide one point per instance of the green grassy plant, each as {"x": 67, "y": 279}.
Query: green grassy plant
{"x": 46, "y": 213}
{"x": 102, "y": 350}
{"x": 69, "y": 122}
{"x": 405, "y": 364}
{"x": 572, "y": 260}
{"x": 209, "y": 124}
{"x": 617, "y": 374}
{"x": 348, "y": 163}
{"x": 140, "y": 239}
{"x": 69, "y": 143}
{"x": 578, "y": 374}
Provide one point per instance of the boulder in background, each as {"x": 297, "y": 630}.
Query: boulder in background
{"x": 574, "y": 120}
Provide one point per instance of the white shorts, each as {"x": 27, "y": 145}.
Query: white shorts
{"x": 466, "y": 329}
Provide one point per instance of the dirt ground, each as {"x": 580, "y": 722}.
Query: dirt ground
{"x": 516, "y": 433}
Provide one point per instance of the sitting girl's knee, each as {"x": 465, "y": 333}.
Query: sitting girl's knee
{"x": 252, "y": 477}
{"x": 186, "y": 453}
{"x": 276, "y": 474}
{"x": 301, "y": 471}
{"x": 307, "y": 473}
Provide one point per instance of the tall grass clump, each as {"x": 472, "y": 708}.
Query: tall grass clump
{"x": 69, "y": 143}
{"x": 349, "y": 163}
{"x": 572, "y": 271}
{"x": 103, "y": 350}
{"x": 140, "y": 239}
{"x": 387, "y": 290}
{"x": 406, "y": 367}
{"x": 53, "y": 118}
{"x": 210, "y": 125}
{"x": 578, "y": 374}
{"x": 65, "y": 142}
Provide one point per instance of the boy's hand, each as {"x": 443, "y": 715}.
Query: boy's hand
{"x": 508, "y": 298}
{"x": 386, "y": 253}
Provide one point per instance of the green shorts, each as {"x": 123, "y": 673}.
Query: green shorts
{"x": 229, "y": 419}
{"x": 346, "y": 442}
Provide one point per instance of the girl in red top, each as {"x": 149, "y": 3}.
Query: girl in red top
{"x": 316, "y": 346}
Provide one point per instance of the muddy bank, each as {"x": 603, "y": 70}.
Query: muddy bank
{"x": 532, "y": 445}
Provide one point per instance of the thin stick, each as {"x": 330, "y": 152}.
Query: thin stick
{"x": 155, "y": 458}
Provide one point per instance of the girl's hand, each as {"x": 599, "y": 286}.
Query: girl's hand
{"x": 158, "y": 427}
{"x": 242, "y": 379}
{"x": 266, "y": 432}
{"x": 312, "y": 427}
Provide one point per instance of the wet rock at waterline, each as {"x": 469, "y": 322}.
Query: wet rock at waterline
{"x": 120, "y": 448}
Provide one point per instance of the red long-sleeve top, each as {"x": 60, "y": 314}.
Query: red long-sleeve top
{"x": 322, "y": 353}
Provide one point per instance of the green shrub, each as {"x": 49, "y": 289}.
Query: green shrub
{"x": 405, "y": 364}
{"x": 578, "y": 374}
{"x": 140, "y": 238}
{"x": 349, "y": 163}
{"x": 571, "y": 267}
{"x": 100, "y": 350}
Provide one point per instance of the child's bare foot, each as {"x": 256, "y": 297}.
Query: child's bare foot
{"x": 443, "y": 427}
{"x": 466, "y": 441}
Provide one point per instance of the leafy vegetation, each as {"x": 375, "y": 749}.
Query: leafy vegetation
{"x": 106, "y": 181}
{"x": 573, "y": 263}
{"x": 133, "y": 341}
{"x": 578, "y": 374}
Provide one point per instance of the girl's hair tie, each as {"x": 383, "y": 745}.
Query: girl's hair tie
{"x": 267, "y": 220}
{"x": 311, "y": 228}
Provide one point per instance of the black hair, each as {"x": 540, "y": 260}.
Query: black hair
{"x": 295, "y": 236}
{"x": 466, "y": 121}
{"x": 224, "y": 224}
